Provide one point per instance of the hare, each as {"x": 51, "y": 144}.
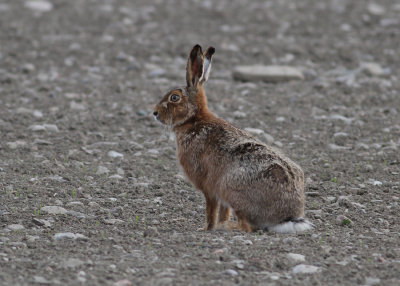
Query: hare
{"x": 234, "y": 170}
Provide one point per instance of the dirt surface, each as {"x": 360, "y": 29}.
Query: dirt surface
{"x": 78, "y": 79}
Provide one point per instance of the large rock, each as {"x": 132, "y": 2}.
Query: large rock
{"x": 267, "y": 73}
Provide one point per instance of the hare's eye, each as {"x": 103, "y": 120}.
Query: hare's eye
{"x": 175, "y": 98}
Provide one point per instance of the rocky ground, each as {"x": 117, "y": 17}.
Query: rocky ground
{"x": 91, "y": 193}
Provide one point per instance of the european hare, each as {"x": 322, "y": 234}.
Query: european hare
{"x": 234, "y": 170}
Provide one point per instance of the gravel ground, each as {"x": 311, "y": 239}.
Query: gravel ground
{"x": 91, "y": 193}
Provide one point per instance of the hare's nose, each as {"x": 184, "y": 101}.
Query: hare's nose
{"x": 155, "y": 113}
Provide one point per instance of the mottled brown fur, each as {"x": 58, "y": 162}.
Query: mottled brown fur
{"x": 232, "y": 168}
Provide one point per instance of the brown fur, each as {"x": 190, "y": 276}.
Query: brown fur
{"x": 232, "y": 168}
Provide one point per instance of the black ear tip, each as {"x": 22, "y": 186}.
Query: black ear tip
{"x": 211, "y": 50}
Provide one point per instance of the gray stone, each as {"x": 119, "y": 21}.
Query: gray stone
{"x": 72, "y": 263}
{"x": 101, "y": 170}
{"x": 15, "y": 227}
{"x": 51, "y": 127}
{"x": 269, "y": 138}
{"x": 296, "y": 258}
{"x": 372, "y": 281}
{"x": 231, "y": 272}
{"x": 69, "y": 235}
{"x": 39, "y": 6}
{"x": 114, "y": 154}
{"x": 116, "y": 176}
{"x": 306, "y": 269}
{"x": 41, "y": 280}
{"x": 340, "y": 138}
{"x": 254, "y": 131}
{"x": 372, "y": 69}
{"x": 113, "y": 221}
{"x": 267, "y": 73}
{"x": 335, "y": 147}
{"x": 53, "y": 210}
{"x": 376, "y": 9}
{"x": 16, "y": 144}
{"x": 41, "y": 222}
{"x": 37, "y": 128}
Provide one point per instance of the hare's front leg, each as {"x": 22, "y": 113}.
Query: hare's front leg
{"x": 211, "y": 212}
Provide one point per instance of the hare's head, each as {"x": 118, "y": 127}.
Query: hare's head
{"x": 183, "y": 103}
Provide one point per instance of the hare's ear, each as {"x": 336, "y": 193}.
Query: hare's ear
{"x": 194, "y": 68}
{"x": 207, "y": 64}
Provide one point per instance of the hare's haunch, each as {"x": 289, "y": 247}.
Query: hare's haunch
{"x": 234, "y": 170}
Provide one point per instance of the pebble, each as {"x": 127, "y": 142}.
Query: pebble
{"x": 116, "y": 176}
{"x": 16, "y": 144}
{"x": 15, "y": 227}
{"x": 114, "y": 154}
{"x": 101, "y": 170}
{"x": 38, "y": 141}
{"x": 39, "y": 6}
{"x": 340, "y": 138}
{"x": 113, "y": 221}
{"x": 267, "y": 73}
{"x": 93, "y": 205}
{"x": 76, "y": 214}
{"x": 376, "y": 9}
{"x": 343, "y": 220}
{"x": 51, "y": 127}
{"x": 368, "y": 168}
{"x": 77, "y": 106}
{"x": 239, "y": 114}
{"x": 37, "y": 128}
{"x": 28, "y": 68}
{"x": 231, "y": 272}
{"x": 69, "y": 235}
{"x": 41, "y": 222}
{"x": 307, "y": 269}
{"x": 254, "y": 131}
{"x": 335, "y": 147}
{"x": 151, "y": 231}
{"x": 41, "y": 280}
{"x": 53, "y": 210}
{"x": 296, "y": 258}
{"x": 372, "y": 281}
{"x": 372, "y": 69}
{"x": 71, "y": 263}
{"x": 338, "y": 117}
{"x": 74, "y": 204}
{"x": 269, "y": 138}
{"x": 124, "y": 282}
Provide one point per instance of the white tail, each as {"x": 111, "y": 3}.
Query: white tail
{"x": 292, "y": 226}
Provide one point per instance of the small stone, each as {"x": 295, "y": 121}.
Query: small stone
{"x": 41, "y": 222}
{"x": 267, "y": 73}
{"x": 280, "y": 119}
{"x": 116, "y": 176}
{"x": 56, "y": 178}
{"x": 343, "y": 220}
{"x": 53, "y": 210}
{"x": 71, "y": 263}
{"x": 42, "y": 142}
{"x": 279, "y": 144}
{"x": 247, "y": 242}
{"x": 231, "y": 272}
{"x": 124, "y": 282}
{"x": 268, "y": 138}
{"x": 330, "y": 199}
{"x": 362, "y": 146}
{"x": 76, "y": 214}
{"x": 113, "y": 221}
{"x": 93, "y": 205}
{"x": 69, "y": 235}
{"x": 254, "y": 131}
{"x": 39, "y": 6}
{"x": 41, "y": 280}
{"x": 101, "y": 170}
{"x": 372, "y": 281}
{"x": 306, "y": 269}
{"x": 74, "y": 204}
{"x": 77, "y": 106}
{"x": 16, "y": 144}
{"x": 151, "y": 231}
{"x": 15, "y": 227}
{"x": 51, "y": 127}
{"x": 239, "y": 114}
{"x": 368, "y": 168}
{"x": 296, "y": 258}
{"x": 372, "y": 69}
{"x": 340, "y": 138}
{"x": 114, "y": 154}
{"x": 335, "y": 147}
{"x": 37, "y": 128}
{"x": 338, "y": 117}
{"x": 28, "y": 68}
{"x": 376, "y": 9}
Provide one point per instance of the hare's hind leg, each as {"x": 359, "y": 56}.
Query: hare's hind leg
{"x": 224, "y": 213}
{"x": 243, "y": 224}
